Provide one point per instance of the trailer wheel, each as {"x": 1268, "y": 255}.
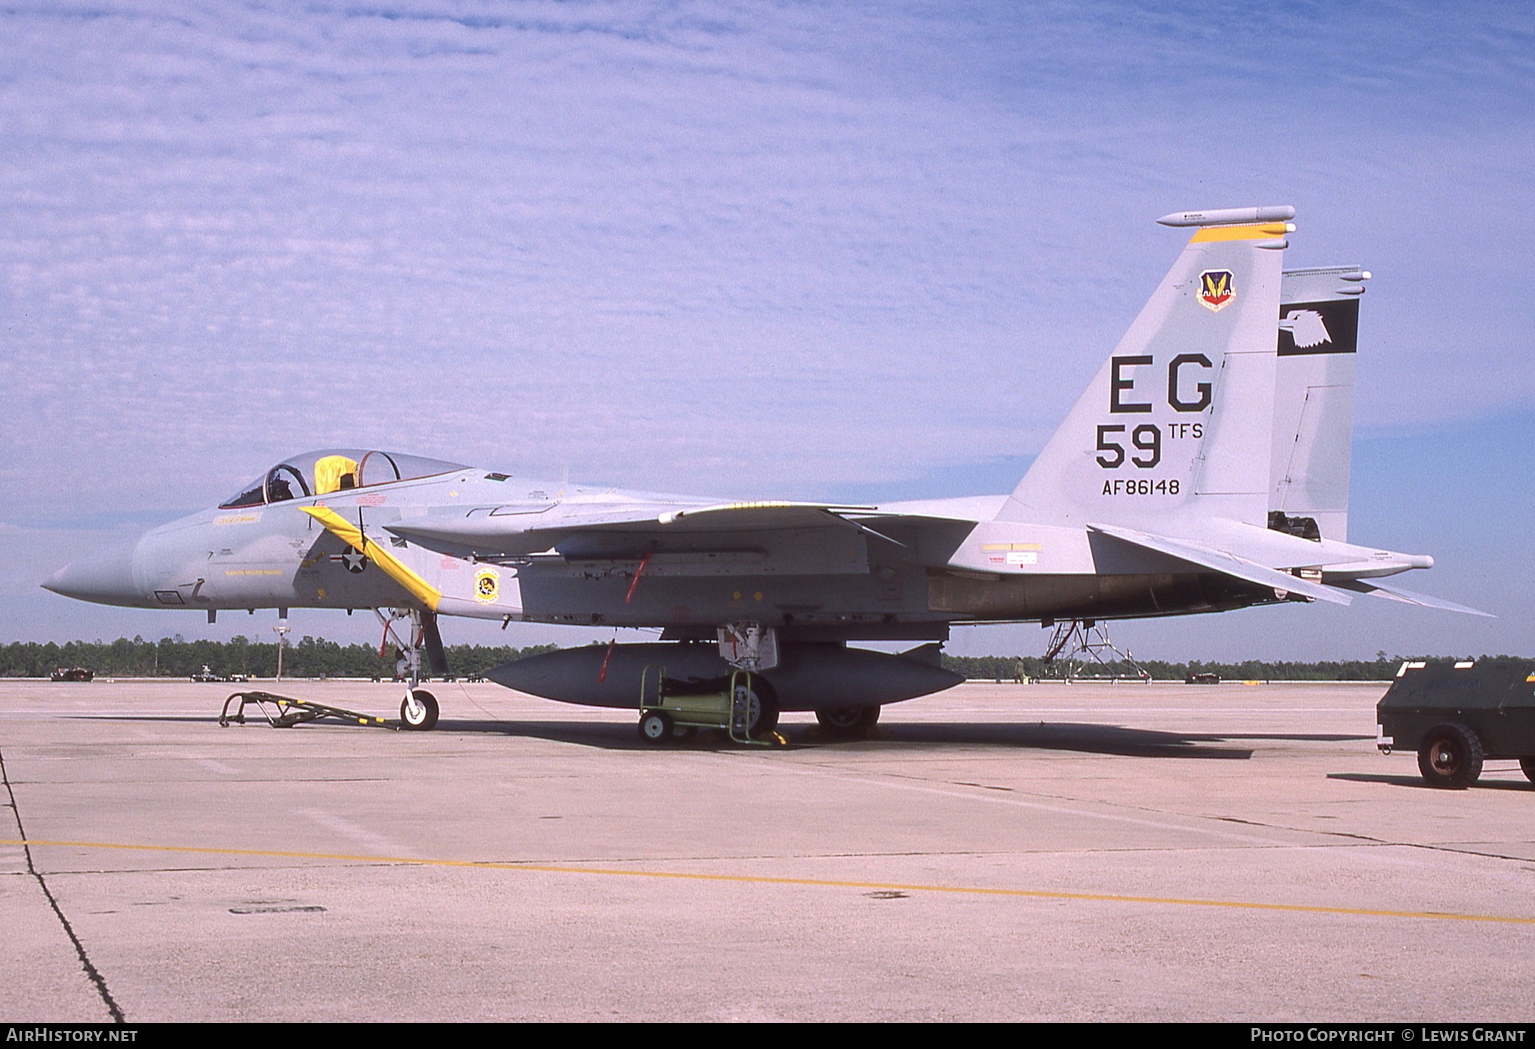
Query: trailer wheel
{"x": 655, "y": 726}
{"x": 420, "y": 715}
{"x": 1528, "y": 765}
{"x": 1450, "y": 756}
{"x": 848, "y": 722}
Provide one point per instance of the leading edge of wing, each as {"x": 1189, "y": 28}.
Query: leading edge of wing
{"x": 487, "y": 531}
{"x": 1224, "y": 563}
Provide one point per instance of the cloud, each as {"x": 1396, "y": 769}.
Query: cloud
{"x": 734, "y": 248}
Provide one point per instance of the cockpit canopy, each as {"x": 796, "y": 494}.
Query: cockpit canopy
{"x": 334, "y": 470}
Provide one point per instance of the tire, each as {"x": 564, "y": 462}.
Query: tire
{"x": 1528, "y": 765}
{"x": 764, "y": 708}
{"x": 426, "y": 716}
{"x": 848, "y": 722}
{"x": 655, "y": 727}
{"x": 766, "y": 722}
{"x": 1450, "y": 757}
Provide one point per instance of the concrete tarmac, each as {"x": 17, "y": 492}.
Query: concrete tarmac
{"x": 998, "y": 852}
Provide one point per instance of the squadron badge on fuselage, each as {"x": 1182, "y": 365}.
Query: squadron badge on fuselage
{"x": 1216, "y": 289}
{"x": 487, "y": 585}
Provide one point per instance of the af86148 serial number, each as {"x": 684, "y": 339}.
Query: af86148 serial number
{"x": 1140, "y": 486}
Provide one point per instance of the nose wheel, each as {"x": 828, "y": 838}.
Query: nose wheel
{"x": 418, "y": 711}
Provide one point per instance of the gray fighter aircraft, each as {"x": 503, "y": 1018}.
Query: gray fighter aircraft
{"x": 1204, "y": 469}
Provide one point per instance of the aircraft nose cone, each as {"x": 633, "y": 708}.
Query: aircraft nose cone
{"x": 105, "y": 576}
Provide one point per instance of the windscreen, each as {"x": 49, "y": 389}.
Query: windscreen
{"x": 333, "y": 470}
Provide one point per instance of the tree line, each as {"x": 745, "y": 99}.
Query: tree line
{"x": 1381, "y": 668}
{"x": 311, "y": 657}
{"x": 315, "y": 657}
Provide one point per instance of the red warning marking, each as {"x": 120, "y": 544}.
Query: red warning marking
{"x": 602, "y": 674}
{"x": 637, "y": 572}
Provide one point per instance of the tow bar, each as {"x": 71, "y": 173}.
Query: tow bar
{"x": 289, "y": 712}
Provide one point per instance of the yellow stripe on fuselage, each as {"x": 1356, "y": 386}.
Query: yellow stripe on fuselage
{"x": 1264, "y": 232}
{"x": 350, "y": 534}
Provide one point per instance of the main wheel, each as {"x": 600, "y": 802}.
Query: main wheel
{"x": 1450, "y": 756}
{"x": 420, "y": 715}
{"x": 1528, "y": 765}
{"x": 766, "y": 721}
{"x": 655, "y": 726}
{"x": 764, "y": 708}
{"x": 848, "y": 722}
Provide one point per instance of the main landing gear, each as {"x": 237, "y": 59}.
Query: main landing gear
{"x": 418, "y": 710}
{"x": 848, "y": 722}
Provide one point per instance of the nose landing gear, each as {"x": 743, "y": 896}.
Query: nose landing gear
{"x": 418, "y": 710}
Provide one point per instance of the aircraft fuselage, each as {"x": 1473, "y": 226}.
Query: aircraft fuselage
{"x": 824, "y": 583}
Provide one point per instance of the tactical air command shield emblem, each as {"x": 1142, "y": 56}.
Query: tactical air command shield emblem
{"x": 1216, "y": 289}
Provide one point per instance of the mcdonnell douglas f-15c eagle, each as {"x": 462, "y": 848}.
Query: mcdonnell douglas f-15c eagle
{"x": 1205, "y": 469}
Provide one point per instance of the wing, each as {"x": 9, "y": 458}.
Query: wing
{"x": 515, "y": 531}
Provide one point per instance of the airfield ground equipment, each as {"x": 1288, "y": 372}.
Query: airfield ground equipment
{"x": 1081, "y": 650}
{"x": 285, "y": 712}
{"x": 742, "y": 706}
{"x": 207, "y": 675}
{"x": 1456, "y": 715}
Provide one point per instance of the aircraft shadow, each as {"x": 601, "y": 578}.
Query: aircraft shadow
{"x": 1034, "y": 735}
{"x": 1092, "y": 739}
{"x": 1417, "y": 782}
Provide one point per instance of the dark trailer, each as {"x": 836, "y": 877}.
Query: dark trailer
{"x": 1455, "y": 715}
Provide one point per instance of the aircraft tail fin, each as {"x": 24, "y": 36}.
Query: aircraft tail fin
{"x": 1178, "y": 422}
{"x": 1314, "y": 400}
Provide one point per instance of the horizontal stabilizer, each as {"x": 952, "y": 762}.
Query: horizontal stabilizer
{"x": 1224, "y": 563}
{"x": 1396, "y": 593}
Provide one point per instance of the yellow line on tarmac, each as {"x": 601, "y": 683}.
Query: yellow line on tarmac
{"x": 754, "y": 879}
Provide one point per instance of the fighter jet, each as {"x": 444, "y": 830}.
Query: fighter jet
{"x": 1204, "y": 469}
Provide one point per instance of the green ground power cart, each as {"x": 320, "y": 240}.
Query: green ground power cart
{"x": 741, "y": 705}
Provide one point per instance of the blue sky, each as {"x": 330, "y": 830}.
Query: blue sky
{"x": 847, "y": 251}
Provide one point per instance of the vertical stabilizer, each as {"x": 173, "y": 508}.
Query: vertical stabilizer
{"x": 1314, "y": 400}
{"x": 1178, "y": 423}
